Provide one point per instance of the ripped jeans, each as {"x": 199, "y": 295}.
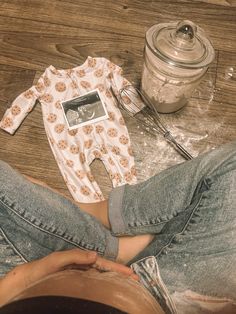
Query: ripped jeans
{"x": 191, "y": 209}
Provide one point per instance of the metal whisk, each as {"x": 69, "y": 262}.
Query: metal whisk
{"x": 134, "y": 103}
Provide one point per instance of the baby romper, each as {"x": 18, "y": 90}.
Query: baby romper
{"x": 74, "y": 150}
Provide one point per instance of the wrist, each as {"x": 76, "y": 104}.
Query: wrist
{"x": 13, "y": 283}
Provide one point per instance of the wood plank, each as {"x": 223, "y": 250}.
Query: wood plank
{"x": 35, "y": 33}
{"x": 135, "y": 17}
{"x": 13, "y": 81}
{"x": 228, "y": 3}
{"x": 30, "y": 52}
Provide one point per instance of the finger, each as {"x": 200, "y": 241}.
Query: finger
{"x": 106, "y": 265}
{"x": 38, "y": 269}
{"x": 59, "y": 260}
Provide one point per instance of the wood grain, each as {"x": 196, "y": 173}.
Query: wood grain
{"x": 35, "y": 34}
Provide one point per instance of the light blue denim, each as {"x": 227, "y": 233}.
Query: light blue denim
{"x": 191, "y": 209}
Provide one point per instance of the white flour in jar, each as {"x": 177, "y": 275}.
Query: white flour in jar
{"x": 168, "y": 93}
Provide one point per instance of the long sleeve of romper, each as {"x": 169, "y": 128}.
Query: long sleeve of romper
{"x": 21, "y": 106}
{"x": 124, "y": 90}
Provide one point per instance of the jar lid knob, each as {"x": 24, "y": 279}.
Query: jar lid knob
{"x": 186, "y": 30}
{"x": 182, "y": 44}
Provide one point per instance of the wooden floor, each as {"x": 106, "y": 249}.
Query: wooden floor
{"x": 36, "y": 33}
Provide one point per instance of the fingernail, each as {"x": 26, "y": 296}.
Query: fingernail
{"x": 135, "y": 277}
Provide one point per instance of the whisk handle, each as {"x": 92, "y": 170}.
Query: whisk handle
{"x": 183, "y": 151}
{"x": 178, "y": 146}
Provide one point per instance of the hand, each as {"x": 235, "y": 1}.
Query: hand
{"x": 25, "y": 275}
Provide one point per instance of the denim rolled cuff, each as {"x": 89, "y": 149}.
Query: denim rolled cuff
{"x": 111, "y": 250}
{"x": 115, "y": 203}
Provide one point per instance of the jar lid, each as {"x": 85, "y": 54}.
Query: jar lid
{"x": 182, "y": 44}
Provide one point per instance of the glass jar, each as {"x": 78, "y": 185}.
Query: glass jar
{"x": 176, "y": 57}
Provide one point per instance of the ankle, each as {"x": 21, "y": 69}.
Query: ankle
{"x": 98, "y": 210}
{"x": 129, "y": 247}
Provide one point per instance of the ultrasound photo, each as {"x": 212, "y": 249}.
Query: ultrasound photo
{"x": 86, "y": 109}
